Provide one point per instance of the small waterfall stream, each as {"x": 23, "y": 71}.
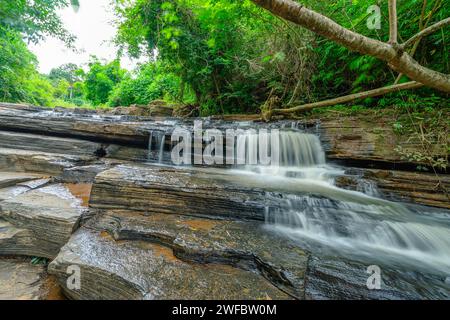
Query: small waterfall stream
{"x": 349, "y": 222}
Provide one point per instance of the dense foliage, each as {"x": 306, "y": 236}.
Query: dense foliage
{"x": 25, "y": 21}
{"x": 226, "y": 56}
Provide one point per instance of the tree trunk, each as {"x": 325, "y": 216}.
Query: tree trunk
{"x": 396, "y": 58}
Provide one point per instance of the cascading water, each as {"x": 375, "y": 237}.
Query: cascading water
{"x": 317, "y": 213}
{"x": 156, "y": 143}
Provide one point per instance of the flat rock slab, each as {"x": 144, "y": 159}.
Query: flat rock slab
{"x": 39, "y": 222}
{"x": 140, "y": 270}
{"x": 39, "y": 162}
{"x": 13, "y": 184}
{"x": 197, "y": 192}
{"x": 214, "y": 241}
{"x": 8, "y": 179}
{"x": 20, "y": 280}
{"x": 49, "y": 144}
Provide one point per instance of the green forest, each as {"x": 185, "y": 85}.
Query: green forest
{"x": 220, "y": 57}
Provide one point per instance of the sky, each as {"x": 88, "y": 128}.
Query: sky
{"x": 94, "y": 31}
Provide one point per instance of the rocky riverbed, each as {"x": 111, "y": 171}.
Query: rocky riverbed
{"x": 83, "y": 189}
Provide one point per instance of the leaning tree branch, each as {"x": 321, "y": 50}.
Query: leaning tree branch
{"x": 393, "y": 23}
{"x": 345, "y": 99}
{"x": 422, "y": 25}
{"x": 399, "y": 61}
{"x": 425, "y": 32}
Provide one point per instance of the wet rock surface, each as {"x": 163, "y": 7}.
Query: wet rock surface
{"x": 422, "y": 188}
{"x": 207, "y": 241}
{"x": 337, "y": 279}
{"x": 38, "y": 162}
{"x": 158, "y": 232}
{"x": 39, "y": 222}
{"x": 154, "y": 189}
{"x": 141, "y": 270}
{"x": 21, "y": 280}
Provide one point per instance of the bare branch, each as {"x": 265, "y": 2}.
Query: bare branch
{"x": 393, "y": 23}
{"x": 425, "y": 32}
{"x": 349, "y": 98}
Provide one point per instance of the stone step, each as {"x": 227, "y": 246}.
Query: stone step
{"x": 39, "y": 222}
{"x": 138, "y": 270}
{"x": 9, "y": 179}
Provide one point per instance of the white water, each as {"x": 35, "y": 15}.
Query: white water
{"x": 316, "y": 212}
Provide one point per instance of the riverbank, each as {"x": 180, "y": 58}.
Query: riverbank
{"x": 139, "y": 228}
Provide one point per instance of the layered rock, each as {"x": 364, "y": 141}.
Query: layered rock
{"x": 21, "y": 280}
{"x": 421, "y": 188}
{"x": 365, "y": 142}
{"x": 13, "y": 184}
{"x": 69, "y": 124}
{"x": 195, "y": 192}
{"x": 337, "y": 279}
{"x": 142, "y": 270}
{"x": 39, "y": 162}
{"x": 39, "y": 222}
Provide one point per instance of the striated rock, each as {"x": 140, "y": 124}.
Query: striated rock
{"x": 362, "y": 141}
{"x": 41, "y": 143}
{"x": 39, "y": 222}
{"x": 39, "y": 162}
{"x": 213, "y": 241}
{"x": 197, "y": 192}
{"x": 337, "y": 279}
{"x": 9, "y": 179}
{"x": 13, "y": 184}
{"x": 69, "y": 124}
{"x": 422, "y": 188}
{"x": 20, "y": 280}
{"x": 140, "y": 270}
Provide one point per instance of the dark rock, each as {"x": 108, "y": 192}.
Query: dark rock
{"x": 141, "y": 270}
{"x": 337, "y": 279}
{"x": 422, "y": 188}
{"x": 213, "y": 241}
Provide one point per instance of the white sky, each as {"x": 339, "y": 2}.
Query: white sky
{"x": 92, "y": 25}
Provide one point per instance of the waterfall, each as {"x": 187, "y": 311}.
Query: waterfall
{"x": 156, "y": 143}
{"x": 347, "y": 221}
{"x": 296, "y": 149}
{"x": 300, "y": 150}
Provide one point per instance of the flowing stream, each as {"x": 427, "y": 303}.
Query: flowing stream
{"x": 323, "y": 217}
{"x": 350, "y": 222}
